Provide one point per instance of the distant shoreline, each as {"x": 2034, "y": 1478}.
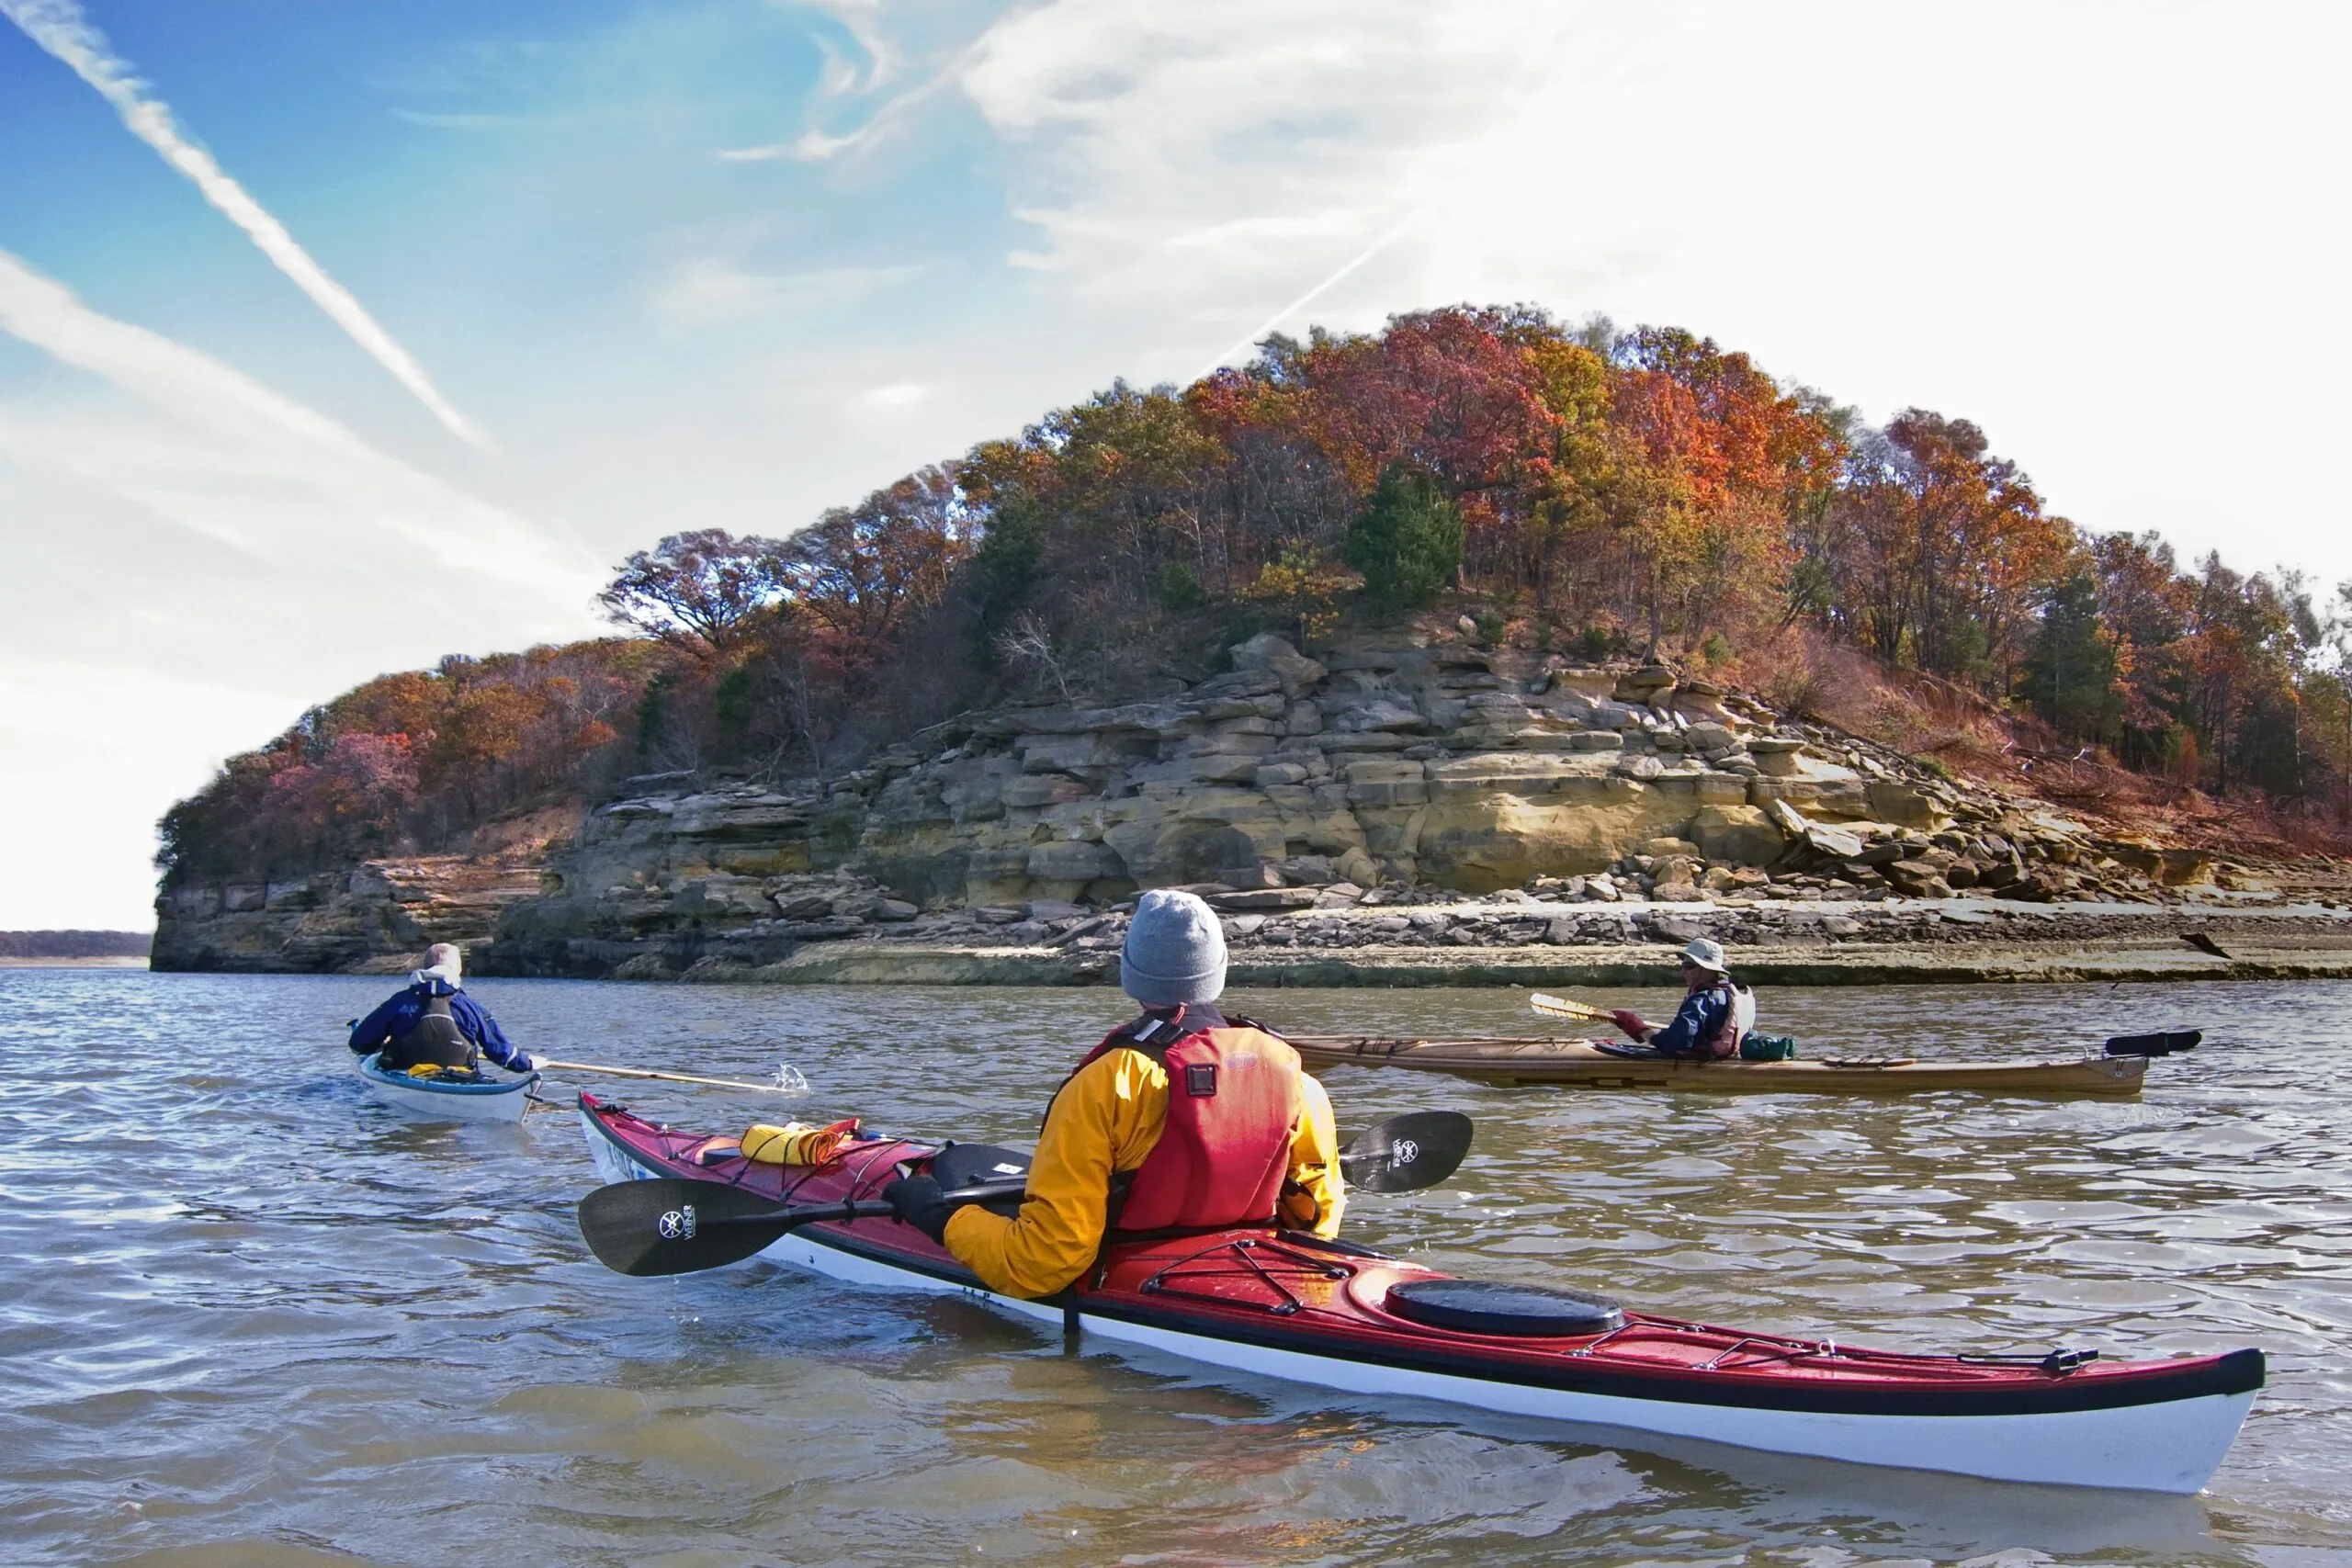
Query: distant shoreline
{"x": 122, "y": 962}
{"x": 75, "y": 945}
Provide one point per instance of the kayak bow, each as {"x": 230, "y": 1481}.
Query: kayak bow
{"x": 1325, "y": 1314}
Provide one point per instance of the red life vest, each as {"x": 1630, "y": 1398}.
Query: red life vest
{"x": 1233, "y": 1102}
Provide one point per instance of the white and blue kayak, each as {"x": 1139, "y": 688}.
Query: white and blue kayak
{"x": 449, "y": 1095}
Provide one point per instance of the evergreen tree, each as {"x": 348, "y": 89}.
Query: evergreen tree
{"x": 1005, "y": 572}
{"x": 1409, "y": 541}
{"x": 2070, "y": 673}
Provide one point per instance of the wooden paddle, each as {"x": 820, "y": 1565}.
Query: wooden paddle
{"x": 678, "y": 1225}
{"x": 649, "y": 1073}
{"x": 1560, "y": 1007}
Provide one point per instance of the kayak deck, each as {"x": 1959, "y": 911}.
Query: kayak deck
{"x": 1577, "y": 1064}
{"x": 1292, "y": 1306}
{"x": 478, "y": 1098}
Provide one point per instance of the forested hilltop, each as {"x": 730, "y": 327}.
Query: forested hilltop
{"x": 72, "y": 945}
{"x": 1490, "y": 475}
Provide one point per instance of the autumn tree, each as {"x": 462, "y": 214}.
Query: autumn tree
{"x": 1952, "y": 553}
{"x": 859, "y": 572}
{"x": 413, "y": 761}
{"x": 704, "y": 590}
{"x": 1569, "y": 488}
{"x": 1302, "y": 587}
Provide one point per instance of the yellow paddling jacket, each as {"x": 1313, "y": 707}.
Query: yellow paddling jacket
{"x": 1105, "y": 1121}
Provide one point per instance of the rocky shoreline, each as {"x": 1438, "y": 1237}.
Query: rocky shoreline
{"x": 1380, "y": 811}
{"x": 1531, "y": 943}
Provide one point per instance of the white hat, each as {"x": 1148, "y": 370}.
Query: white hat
{"x": 1706, "y": 955}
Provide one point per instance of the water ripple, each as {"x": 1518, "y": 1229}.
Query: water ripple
{"x": 252, "y": 1318}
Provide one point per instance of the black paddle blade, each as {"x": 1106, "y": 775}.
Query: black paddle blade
{"x": 1407, "y": 1153}
{"x": 669, "y": 1225}
{"x": 2155, "y": 1045}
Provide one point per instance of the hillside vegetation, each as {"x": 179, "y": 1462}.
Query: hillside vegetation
{"x": 1492, "y": 474}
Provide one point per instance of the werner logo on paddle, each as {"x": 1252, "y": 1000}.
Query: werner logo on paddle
{"x": 678, "y": 1224}
{"x": 1405, "y": 1152}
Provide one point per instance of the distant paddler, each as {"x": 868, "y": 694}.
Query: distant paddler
{"x": 433, "y": 1023}
{"x": 1716, "y": 1014}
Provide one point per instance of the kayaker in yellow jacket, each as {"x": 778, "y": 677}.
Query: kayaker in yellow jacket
{"x": 1247, "y": 1138}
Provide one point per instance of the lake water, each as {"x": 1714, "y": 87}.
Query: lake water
{"x": 250, "y": 1317}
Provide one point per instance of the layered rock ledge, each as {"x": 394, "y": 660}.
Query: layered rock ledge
{"x": 1416, "y": 811}
{"x": 1973, "y": 942}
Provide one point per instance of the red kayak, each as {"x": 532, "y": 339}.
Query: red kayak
{"x": 1326, "y": 1314}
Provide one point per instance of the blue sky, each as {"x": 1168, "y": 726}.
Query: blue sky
{"x": 728, "y": 262}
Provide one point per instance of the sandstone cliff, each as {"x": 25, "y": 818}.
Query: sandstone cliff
{"x": 377, "y": 916}
{"x": 1372, "y": 776}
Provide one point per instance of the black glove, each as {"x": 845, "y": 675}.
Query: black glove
{"x": 920, "y": 1201}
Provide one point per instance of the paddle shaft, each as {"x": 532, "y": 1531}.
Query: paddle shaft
{"x": 786, "y": 1219}
{"x": 677, "y": 1224}
{"x": 783, "y": 1219}
{"x": 649, "y": 1073}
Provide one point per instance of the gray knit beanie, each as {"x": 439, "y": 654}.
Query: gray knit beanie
{"x": 1174, "y": 950}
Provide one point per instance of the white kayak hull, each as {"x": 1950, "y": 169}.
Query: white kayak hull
{"x": 432, "y": 1101}
{"x": 2173, "y": 1446}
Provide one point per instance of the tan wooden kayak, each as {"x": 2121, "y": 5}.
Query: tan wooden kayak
{"x": 1573, "y": 1064}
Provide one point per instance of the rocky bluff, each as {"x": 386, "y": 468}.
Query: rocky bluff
{"x": 1371, "y": 777}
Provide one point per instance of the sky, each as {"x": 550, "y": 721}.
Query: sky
{"x": 335, "y": 338}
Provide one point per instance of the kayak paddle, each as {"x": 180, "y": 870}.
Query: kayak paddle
{"x": 1407, "y": 1153}
{"x": 665, "y": 1077}
{"x": 2160, "y": 1044}
{"x": 675, "y": 1225}
{"x": 678, "y": 1225}
{"x": 1560, "y": 1007}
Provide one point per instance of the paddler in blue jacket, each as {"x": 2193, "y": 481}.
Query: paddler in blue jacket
{"x": 433, "y": 1023}
{"x": 1182, "y": 1120}
{"x": 1716, "y": 1014}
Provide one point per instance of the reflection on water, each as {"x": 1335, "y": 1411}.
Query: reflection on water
{"x": 251, "y": 1317}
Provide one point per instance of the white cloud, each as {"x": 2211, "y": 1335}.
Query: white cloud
{"x": 1207, "y": 150}
{"x": 238, "y": 462}
{"x": 862, "y": 20}
{"x": 58, "y": 26}
{"x": 441, "y": 120}
{"x": 896, "y": 395}
{"x": 841, "y": 82}
{"x": 211, "y": 558}
{"x": 91, "y": 756}
{"x": 710, "y": 291}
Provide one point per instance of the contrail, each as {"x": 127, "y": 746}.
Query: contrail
{"x": 1303, "y": 302}
{"x": 282, "y": 449}
{"x": 58, "y": 26}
